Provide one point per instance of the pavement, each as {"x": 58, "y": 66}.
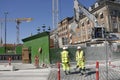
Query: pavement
{"x": 30, "y": 72}
{"x": 23, "y": 72}
{"x": 109, "y": 72}
{"x": 90, "y": 75}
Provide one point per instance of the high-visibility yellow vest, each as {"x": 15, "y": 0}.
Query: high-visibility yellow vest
{"x": 79, "y": 55}
{"x": 64, "y": 56}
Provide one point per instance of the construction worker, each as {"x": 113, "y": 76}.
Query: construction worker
{"x": 65, "y": 60}
{"x": 80, "y": 59}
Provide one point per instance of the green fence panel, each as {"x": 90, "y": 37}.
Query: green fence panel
{"x": 56, "y": 57}
{"x": 19, "y": 49}
{"x": 2, "y": 50}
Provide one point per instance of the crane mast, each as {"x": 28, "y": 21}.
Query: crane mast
{"x": 18, "y": 21}
{"x": 97, "y": 29}
{"x": 55, "y": 21}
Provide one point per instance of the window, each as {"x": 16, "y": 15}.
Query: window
{"x": 96, "y": 15}
{"x": 114, "y": 13}
{"x": 88, "y": 21}
{"x": 82, "y": 24}
{"x": 78, "y": 34}
{"x": 89, "y": 31}
{"x": 78, "y": 27}
{"x": 101, "y": 15}
{"x": 115, "y": 27}
{"x": 119, "y": 16}
{"x": 99, "y": 32}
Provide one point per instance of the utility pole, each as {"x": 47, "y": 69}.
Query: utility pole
{"x": 1, "y": 41}
{"x": 5, "y": 28}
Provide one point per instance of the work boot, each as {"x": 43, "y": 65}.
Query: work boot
{"x": 80, "y": 70}
{"x": 65, "y": 72}
{"x": 83, "y": 71}
{"x": 68, "y": 72}
{"x": 76, "y": 68}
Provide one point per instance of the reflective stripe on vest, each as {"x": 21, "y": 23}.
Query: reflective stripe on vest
{"x": 79, "y": 55}
{"x": 64, "y": 56}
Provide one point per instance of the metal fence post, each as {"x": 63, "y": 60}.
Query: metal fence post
{"x": 36, "y": 61}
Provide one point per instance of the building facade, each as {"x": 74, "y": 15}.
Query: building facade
{"x": 108, "y": 16}
{"x": 63, "y": 31}
{"x": 107, "y": 13}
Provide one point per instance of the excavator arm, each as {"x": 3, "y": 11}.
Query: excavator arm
{"x": 97, "y": 31}
{"x": 78, "y": 7}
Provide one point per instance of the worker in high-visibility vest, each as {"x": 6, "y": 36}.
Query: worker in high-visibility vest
{"x": 65, "y": 60}
{"x": 80, "y": 59}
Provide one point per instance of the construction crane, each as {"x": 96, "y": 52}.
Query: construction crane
{"x": 55, "y": 13}
{"x": 55, "y": 22}
{"x": 79, "y": 7}
{"x": 18, "y": 21}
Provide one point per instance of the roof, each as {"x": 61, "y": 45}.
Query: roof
{"x": 35, "y": 36}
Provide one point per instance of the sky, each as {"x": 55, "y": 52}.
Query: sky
{"x": 39, "y": 10}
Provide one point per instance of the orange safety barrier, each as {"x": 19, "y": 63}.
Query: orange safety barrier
{"x": 36, "y": 61}
{"x": 97, "y": 70}
{"x": 58, "y": 65}
{"x": 9, "y": 60}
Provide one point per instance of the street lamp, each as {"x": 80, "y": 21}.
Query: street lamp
{"x": 49, "y": 28}
{"x": 5, "y": 28}
{"x": 38, "y": 29}
{"x": 43, "y": 27}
